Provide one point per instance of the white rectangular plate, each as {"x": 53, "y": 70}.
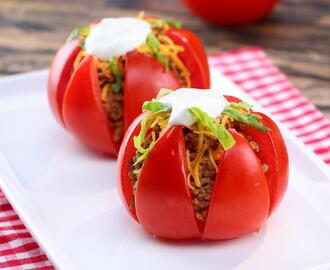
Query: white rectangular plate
{"x": 66, "y": 196}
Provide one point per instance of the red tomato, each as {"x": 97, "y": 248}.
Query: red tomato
{"x": 193, "y": 56}
{"x": 243, "y": 195}
{"x": 230, "y": 12}
{"x": 82, "y": 111}
{"x": 74, "y": 95}
{"x": 138, "y": 88}
{"x": 59, "y": 75}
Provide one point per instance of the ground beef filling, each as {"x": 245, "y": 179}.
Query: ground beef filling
{"x": 135, "y": 167}
{"x": 201, "y": 196}
{"x": 112, "y": 102}
{"x": 134, "y": 175}
{"x": 182, "y": 80}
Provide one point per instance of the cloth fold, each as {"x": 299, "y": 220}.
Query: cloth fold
{"x": 251, "y": 70}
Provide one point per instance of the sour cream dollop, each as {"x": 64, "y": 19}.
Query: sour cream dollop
{"x": 210, "y": 101}
{"x": 116, "y": 36}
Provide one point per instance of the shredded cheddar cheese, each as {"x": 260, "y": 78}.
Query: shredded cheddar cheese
{"x": 188, "y": 181}
{"x": 205, "y": 132}
{"x": 103, "y": 68}
{"x": 141, "y": 15}
{"x": 104, "y": 92}
{"x": 211, "y": 157}
{"x": 202, "y": 149}
{"x": 80, "y": 56}
{"x": 188, "y": 160}
{"x": 168, "y": 49}
{"x": 225, "y": 119}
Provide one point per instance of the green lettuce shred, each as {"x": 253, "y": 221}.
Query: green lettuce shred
{"x": 240, "y": 105}
{"x": 78, "y": 32}
{"x": 154, "y": 106}
{"x": 154, "y": 44}
{"x": 138, "y": 142}
{"x": 247, "y": 118}
{"x": 161, "y": 22}
{"x": 117, "y": 85}
{"x": 176, "y": 24}
{"x": 220, "y": 132}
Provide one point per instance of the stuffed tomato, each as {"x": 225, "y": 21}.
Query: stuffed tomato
{"x": 101, "y": 76}
{"x": 200, "y": 165}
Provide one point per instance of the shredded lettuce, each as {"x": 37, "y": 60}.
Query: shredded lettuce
{"x": 222, "y": 134}
{"x": 162, "y": 22}
{"x": 117, "y": 85}
{"x": 79, "y": 31}
{"x": 240, "y": 105}
{"x": 247, "y": 118}
{"x": 176, "y": 24}
{"x": 146, "y": 153}
{"x": 139, "y": 140}
{"x": 154, "y": 106}
{"x": 154, "y": 44}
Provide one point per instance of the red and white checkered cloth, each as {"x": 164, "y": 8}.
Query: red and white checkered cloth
{"x": 253, "y": 72}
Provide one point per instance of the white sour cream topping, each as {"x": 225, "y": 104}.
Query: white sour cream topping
{"x": 116, "y": 36}
{"x": 210, "y": 101}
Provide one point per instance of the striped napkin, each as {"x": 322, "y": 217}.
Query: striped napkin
{"x": 254, "y": 73}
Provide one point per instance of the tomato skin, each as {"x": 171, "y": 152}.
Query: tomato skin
{"x": 59, "y": 76}
{"x": 193, "y": 56}
{"x": 144, "y": 76}
{"x": 230, "y": 12}
{"x": 272, "y": 152}
{"x": 232, "y": 99}
{"x": 163, "y": 202}
{"x": 150, "y": 209}
{"x": 83, "y": 113}
{"x": 240, "y": 200}
{"x": 243, "y": 196}
{"x": 125, "y": 156}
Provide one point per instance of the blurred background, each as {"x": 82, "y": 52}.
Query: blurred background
{"x": 296, "y": 35}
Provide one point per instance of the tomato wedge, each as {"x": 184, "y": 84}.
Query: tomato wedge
{"x": 166, "y": 196}
{"x": 240, "y": 201}
{"x": 59, "y": 75}
{"x": 272, "y": 152}
{"x": 83, "y": 113}
{"x": 193, "y": 56}
{"x": 125, "y": 155}
{"x": 139, "y": 89}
